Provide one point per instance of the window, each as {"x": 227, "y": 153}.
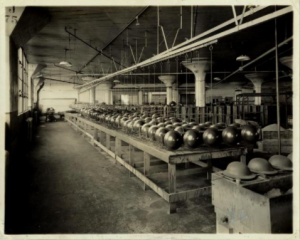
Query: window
{"x": 22, "y": 82}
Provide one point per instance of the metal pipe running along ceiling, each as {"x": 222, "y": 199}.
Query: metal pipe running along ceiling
{"x": 191, "y": 47}
{"x": 184, "y": 43}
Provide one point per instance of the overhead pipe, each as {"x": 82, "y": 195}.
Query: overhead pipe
{"x": 114, "y": 38}
{"x": 253, "y": 61}
{"x": 158, "y": 24}
{"x": 248, "y": 13}
{"x": 132, "y": 54}
{"x": 100, "y": 52}
{"x": 196, "y": 45}
{"x": 178, "y": 29}
{"x": 192, "y": 21}
{"x": 205, "y": 33}
{"x": 234, "y": 15}
{"x": 195, "y": 20}
{"x": 175, "y": 73}
{"x": 52, "y": 79}
{"x": 141, "y": 55}
{"x": 133, "y": 68}
{"x": 165, "y": 39}
{"x": 242, "y": 18}
{"x": 277, "y": 89}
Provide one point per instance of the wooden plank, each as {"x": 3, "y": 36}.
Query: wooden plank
{"x": 215, "y": 114}
{"x": 234, "y": 113}
{"x": 131, "y": 157}
{"x": 144, "y": 179}
{"x": 146, "y": 167}
{"x": 191, "y": 171}
{"x": 209, "y": 169}
{"x": 169, "y": 156}
{"x": 96, "y": 132}
{"x": 182, "y": 196}
{"x": 108, "y": 141}
{"x": 204, "y": 165}
{"x": 84, "y": 132}
{"x": 118, "y": 148}
{"x": 205, "y": 155}
{"x": 220, "y": 113}
{"x": 153, "y": 162}
{"x": 112, "y": 154}
{"x": 155, "y": 169}
{"x": 228, "y": 115}
{"x": 172, "y": 177}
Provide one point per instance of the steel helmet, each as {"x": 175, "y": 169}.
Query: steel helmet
{"x": 238, "y": 170}
{"x": 290, "y": 156}
{"x": 281, "y": 162}
{"x": 261, "y": 166}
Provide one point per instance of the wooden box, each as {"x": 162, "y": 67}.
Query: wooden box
{"x": 245, "y": 208}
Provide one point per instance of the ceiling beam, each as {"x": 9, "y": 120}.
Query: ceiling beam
{"x": 192, "y": 47}
{"x": 114, "y": 38}
{"x": 167, "y": 52}
{"x": 23, "y": 32}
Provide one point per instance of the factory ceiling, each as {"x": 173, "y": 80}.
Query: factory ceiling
{"x": 97, "y": 26}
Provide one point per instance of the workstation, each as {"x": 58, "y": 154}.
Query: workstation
{"x": 151, "y": 119}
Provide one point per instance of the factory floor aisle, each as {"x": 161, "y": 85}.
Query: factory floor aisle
{"x": 65, "y": 185}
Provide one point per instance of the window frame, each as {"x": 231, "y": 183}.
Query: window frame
{"x": 22, "y": 82}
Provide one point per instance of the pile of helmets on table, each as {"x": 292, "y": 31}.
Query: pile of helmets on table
{"x": 173, "y": 132}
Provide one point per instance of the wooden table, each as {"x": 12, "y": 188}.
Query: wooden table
{"x": 101, "y": 136}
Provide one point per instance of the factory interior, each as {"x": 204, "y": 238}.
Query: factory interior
{"x": 171, "y": 119}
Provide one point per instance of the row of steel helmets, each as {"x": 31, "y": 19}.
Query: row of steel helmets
{"x": 239, "y": 170}
{"x": 214, "y": 134}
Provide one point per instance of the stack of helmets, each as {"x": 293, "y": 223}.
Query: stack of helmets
{"x": 281, "y": 162}
{"x": 238, "y": 170}
{"x": 261, "y": 166}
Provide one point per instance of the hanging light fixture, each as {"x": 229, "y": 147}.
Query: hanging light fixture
{"x": 137, "y": 21}
{"x": 217, "y": 79}
{"x": 65, "y": 63}
{"x": 243, "y": 58}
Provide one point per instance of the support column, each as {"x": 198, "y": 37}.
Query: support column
{"x": 198, "y": 66}
{"x": 175, "y": 93}
{"x": 168, "y": 80}
{"x": 140, "y": 98}
{"x": 149, "y": 97}
{"x": 257, "y": 79}
{"x": 92, "y": 95}
{"x": 78, "y": 97}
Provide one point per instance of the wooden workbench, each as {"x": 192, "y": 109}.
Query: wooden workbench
{"x": 102, "y": 137}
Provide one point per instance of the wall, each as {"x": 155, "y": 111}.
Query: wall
{"x": 131, "y": 96}
{"x": 57, "y": 95}
{"x": 100, "y": 94}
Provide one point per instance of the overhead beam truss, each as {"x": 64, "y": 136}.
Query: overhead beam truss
{"x": 180, "y": 49}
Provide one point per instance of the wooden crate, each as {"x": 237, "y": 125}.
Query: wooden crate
{"x": 244, "y": 207}
{"x": 270, "y": 139}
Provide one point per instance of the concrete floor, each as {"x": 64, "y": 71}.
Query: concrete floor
{"x": 64, "y": 185}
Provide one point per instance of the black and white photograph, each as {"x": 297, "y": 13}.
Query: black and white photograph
{"x": 149, "y": 119}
